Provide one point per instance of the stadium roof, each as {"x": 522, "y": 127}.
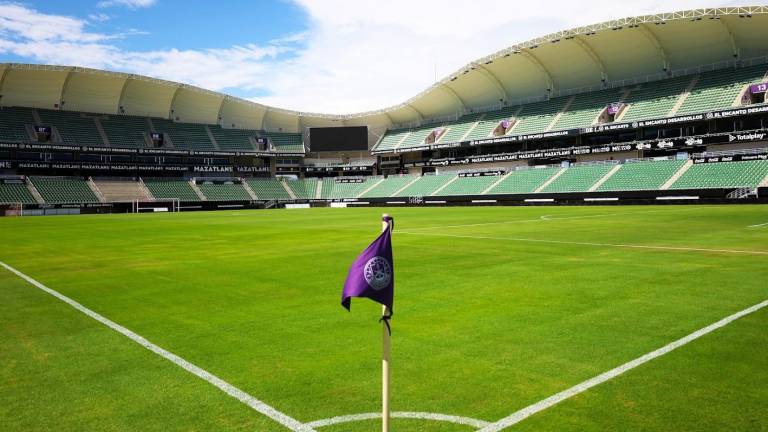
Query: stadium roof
{"x": 611, "y": 53}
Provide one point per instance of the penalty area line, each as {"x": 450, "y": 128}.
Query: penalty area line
{"x": 530, "y": 410}
{"x": 201, "y": 373}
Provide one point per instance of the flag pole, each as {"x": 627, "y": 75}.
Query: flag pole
{"x": 386, "y": 344}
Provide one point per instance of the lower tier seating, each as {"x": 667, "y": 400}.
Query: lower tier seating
{"x": 56, "y": 190}
{"x": 166, "y": 189}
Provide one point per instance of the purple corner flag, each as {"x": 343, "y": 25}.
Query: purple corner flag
{"x": 372, "y": 274}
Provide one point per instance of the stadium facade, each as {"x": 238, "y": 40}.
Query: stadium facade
{"x": 668, "y": 106}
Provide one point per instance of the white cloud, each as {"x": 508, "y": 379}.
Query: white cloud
{"x": 133, "y": 4}
{"x": 99, "y": 17}
{"x": 355, "y": 56}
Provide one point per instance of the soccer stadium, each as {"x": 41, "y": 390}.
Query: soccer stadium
{"x": 579, "y": 224}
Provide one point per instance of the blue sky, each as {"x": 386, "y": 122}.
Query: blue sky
{"x": 333, "y": 56}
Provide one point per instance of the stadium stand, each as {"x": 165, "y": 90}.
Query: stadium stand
{"x": 165, "y": 189}
{"x": 188, "y": 136}
{"x": 523, "y": 181}
{"x": 425, "y": 186}
{"x": 655, "y": 99}
{"x": 389, "y": 186}
{"x": 125, "y": 131}
{"x": 233, "y": 139}
{"x": 285, "y": 142}
{"x": 121, "y": 190}
{"x": 57, "y": 190}
{"x": 578, "y": 178}
{"x": 490, "y": 121}
{"x": 15, "y": 191}
{"x": 468, "y": 185}
{"x": 13, "y": 122}
{"x": 723, "y": 175}
{"x": 537, "y": 116}
{"x": 224, "y": 191}
{"x": 458, "y": 129}
{"x": 270, "y": 189}
{"x": 585, "y": 108}
{"x": 391, "y": 139}
{"x": 74, "y": 128}
{"x": 719, "y": 89}
{"x": 417, "y": 136}
{"x": 641, "y": 175}
{"x": 303, "y": 189}
{"x": 338, "y": 190}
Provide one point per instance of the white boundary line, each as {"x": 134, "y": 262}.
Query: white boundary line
{"x": 618, "y": 245}
{"x": 544, "y": 218}
{"x": 403, "y": 415}
{"x": 530, "y": 410}
{"x": 758, "y": 225}
{"x": 212, "y": 379}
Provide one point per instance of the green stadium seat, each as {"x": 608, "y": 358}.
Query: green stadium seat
{"x": 643, "y": 175}
{"x": 579, "y": 178}
{"x": 186, "y": 136}
{"x": 523, "y": 181}
{"x": 15, "y": 191}
{"x": 13, "y": 123}
{"x": 55, "y": 190}
{"x": 268, "y": 188}
{"x": 165, "y": 189}
{"x": 75, "y": 128}
{"x": 224, "y": 191}
{"x": 723, "y": 175}
{"x": 125, "y": 131}
{"x": 426, "y": 185}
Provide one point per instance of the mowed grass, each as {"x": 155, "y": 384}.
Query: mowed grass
{"x": 488, "y": 319}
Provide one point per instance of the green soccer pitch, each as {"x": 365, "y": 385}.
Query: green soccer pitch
{"x": 496, "y": 309}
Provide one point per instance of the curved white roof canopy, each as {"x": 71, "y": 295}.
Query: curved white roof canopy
{"x": 623, "y": 50}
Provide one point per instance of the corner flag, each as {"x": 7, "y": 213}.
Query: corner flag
{"x": 372, "y": 274}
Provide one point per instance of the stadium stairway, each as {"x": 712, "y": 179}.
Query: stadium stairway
{"x": 121, "y": 190}
{"x": 288, "y": 189}
{"x": 605, "y": 178}
{"x": 368, "y": 189}
{"x": 683, "y": 96}
{"x": 92, "y": 186}
{"x": 410, "y": 183}
{"x": 677, "y": 175}
{"x": 197, "y": 190}
{"x": 34, "y": 192}
{"x": 319, "y": 191}
{"x": 245, "y": 183}
{"x": 550, "y": 180}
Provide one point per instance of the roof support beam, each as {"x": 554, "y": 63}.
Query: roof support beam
{"x": 418, "y": 113}
{"x": 660, "y": 51}
{"x": 735, "y": 50}
{"x": 581, "y": 42}
{"x": 64, "y": 86}
{"x": 2, "y": 81}
{"x": 263, "y": 119}
{"x": 494, "y": 80}
{"x": 171, "y": 109}
{"x": 454, "y": 95}
{"x": 122, "y": 96}
{"x": 219, "y": 120}
{"x": 536, "y": 62}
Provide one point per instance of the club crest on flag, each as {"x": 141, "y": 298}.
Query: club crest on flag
{"x": 378, "y": 273}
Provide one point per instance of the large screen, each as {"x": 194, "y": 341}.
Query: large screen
{"x": 338, "y": 138}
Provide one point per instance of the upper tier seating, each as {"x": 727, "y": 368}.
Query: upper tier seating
{"x": 391, "y": 139}
{"x": 186, "y": 136}
{"x": 55, "y": 190}
{"x": 165, "y": 189}
{"x": 15, "y": 191}
{"x": 233, "y": 139}
{"x": 268, "y": 188}
{"x": 578, "y": 178}
{"x": 125, "y": 131}
{"x": 13, "y": 123}
{"x": 458, "y": 129}
{"x": 585, "y": 108}
{"x": 490, "y": 121}
{"x": 523, "y": 181}
{"x": 723, "y": 175}
{"x": 719, "y": 89}
{"x": 646, "y": 175}
{"x": 74, "y": 128}
{"x": 387, "y": 187}
{"x": 224, "y": 192}
{"x": 655, "y": 99}
{"x": 285, "y": 142}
